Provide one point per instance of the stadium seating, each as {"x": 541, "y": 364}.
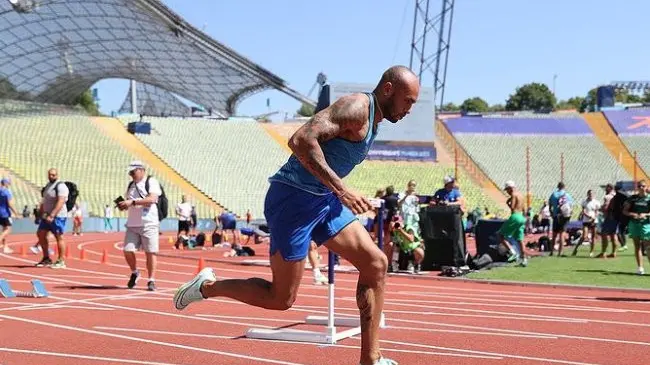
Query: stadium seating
{"x": 499, "y": 145}
{"x": 23, "y": 193}
{"x": 633, "y": 127}
{"x": 230, "y": 161}
{"x": 32, "y": 143}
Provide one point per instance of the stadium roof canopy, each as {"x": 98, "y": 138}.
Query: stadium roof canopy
{"x": 52, "y": 51}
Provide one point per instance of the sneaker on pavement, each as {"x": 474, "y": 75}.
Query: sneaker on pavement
{"x": 59, "y": 264}
{"x": 320, "y": 279}
{"x": 7, "y": 250}
{"x": 191, "y": 291}
{"x": 151, "y": 285}
{"x": 133, "y": 280}
{"x": 44, "y": 262}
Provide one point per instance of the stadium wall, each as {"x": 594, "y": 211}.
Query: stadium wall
{"x": 412, "y": 139}
{"x": 95, "y": 224}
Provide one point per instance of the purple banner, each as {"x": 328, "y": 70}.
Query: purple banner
{"x": 518, "y": 125}
{"x": 629, "y": 121}
{"x": 381, "y": 150}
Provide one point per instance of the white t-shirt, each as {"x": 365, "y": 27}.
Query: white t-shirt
{"x": 184, "y": 210}
{"x": 141, "y": 216}
{"x": 409, "y": 206}
{"x": 546, "y": 212}
{"x": 108, "y": 212}
{"x": 590, "y": 210}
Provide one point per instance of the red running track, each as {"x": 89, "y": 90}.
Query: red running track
{"x": 91, "y": 318}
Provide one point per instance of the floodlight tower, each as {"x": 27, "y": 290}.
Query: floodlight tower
{"x": 427, "y": 24}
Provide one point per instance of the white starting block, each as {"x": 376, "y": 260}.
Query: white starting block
{"x": 331, "y": 335}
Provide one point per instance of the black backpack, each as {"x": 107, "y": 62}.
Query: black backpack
{"x": 163, "y": 203}
{"x": 73, "y": 193}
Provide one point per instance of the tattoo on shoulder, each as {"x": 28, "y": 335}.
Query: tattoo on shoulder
{"x": 346, "y": 113}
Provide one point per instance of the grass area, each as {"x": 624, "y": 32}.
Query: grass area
{"x": 576, "y": 270}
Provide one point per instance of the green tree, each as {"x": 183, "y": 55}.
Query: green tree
{"x": 9, "y": 91}
{"x": 497, "y": 108}
{"x": 87, "y": 102}
{"x": 306, "y": 110}
{"x": 474, "y": 104}
{"x": 646, "y": 96}
{"x": 533, "y": 96}
{"x": 450, "y": 107}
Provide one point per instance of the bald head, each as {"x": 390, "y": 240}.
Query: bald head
{"x": 398, "y": 75}
{"x": 397, "y": 91}
{"x": 52, "y": 175}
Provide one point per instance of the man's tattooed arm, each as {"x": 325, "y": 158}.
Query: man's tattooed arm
{"x": 346, "y": 114}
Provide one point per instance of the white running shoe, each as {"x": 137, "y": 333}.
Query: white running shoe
{"x": 191, "y": 291}
{"x": 320, "y": 279}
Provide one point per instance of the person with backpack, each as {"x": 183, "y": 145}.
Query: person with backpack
{"x": 147, "y": 205}
{"x": 560, "y": 203}
{"x": 53, "y": 211}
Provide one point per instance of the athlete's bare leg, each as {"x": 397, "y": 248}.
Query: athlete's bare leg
{"x": 278, "y": 294}
{"x": 355, "y": 245}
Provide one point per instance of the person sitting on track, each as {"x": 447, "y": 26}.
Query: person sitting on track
{"x": 307, "y": 200}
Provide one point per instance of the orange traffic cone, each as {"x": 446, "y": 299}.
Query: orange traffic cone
{"x": 105, "y": 257}
{"x": 200, "y": 266}
{"x": 82, "y": 254}
{"x": 23, "y": 251}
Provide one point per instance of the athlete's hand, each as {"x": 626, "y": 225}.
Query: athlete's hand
{"x": 357, "y": 203}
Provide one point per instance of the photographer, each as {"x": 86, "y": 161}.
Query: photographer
{"x": 407, "y": 238}
{"x": 142, "y": 225}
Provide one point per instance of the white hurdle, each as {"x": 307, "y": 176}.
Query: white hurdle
{"x": 331, "y": 335}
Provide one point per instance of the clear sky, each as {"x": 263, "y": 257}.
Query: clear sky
{"x": 496, "y": 45}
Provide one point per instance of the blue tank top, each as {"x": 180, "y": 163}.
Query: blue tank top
{"x": 341, "y": 155}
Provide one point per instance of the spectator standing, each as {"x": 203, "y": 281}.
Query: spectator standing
{"x": 108, "y": 216}
{"x": 54, "y": 214}
{"x": 637, "y": 207}
{"x": 560, "y": 203}
{"x": 184, "y": 213}
{"x": 142, "y": 224}
{"x": 6, "y": 208}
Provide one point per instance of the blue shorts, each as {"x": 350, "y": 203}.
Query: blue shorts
{"x": 296, "y": 217}
{"x": 56, "y": 227}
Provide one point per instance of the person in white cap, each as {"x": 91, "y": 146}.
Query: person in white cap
{"x": 142, "y": 224}
{"x": 513, "y": 228}
{"x": 449, "y": 194}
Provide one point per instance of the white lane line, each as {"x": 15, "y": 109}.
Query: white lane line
{"x": 85, "y": 357}
{"x": 138, "y": 339}
{"x": 185, "y": 334}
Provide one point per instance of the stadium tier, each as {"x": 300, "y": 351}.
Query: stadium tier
{"x": 32, "y": 143}
{"x": 498, "y": 146}
{"x": 633, "y": 127}
{"x": 230, "y": 161}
